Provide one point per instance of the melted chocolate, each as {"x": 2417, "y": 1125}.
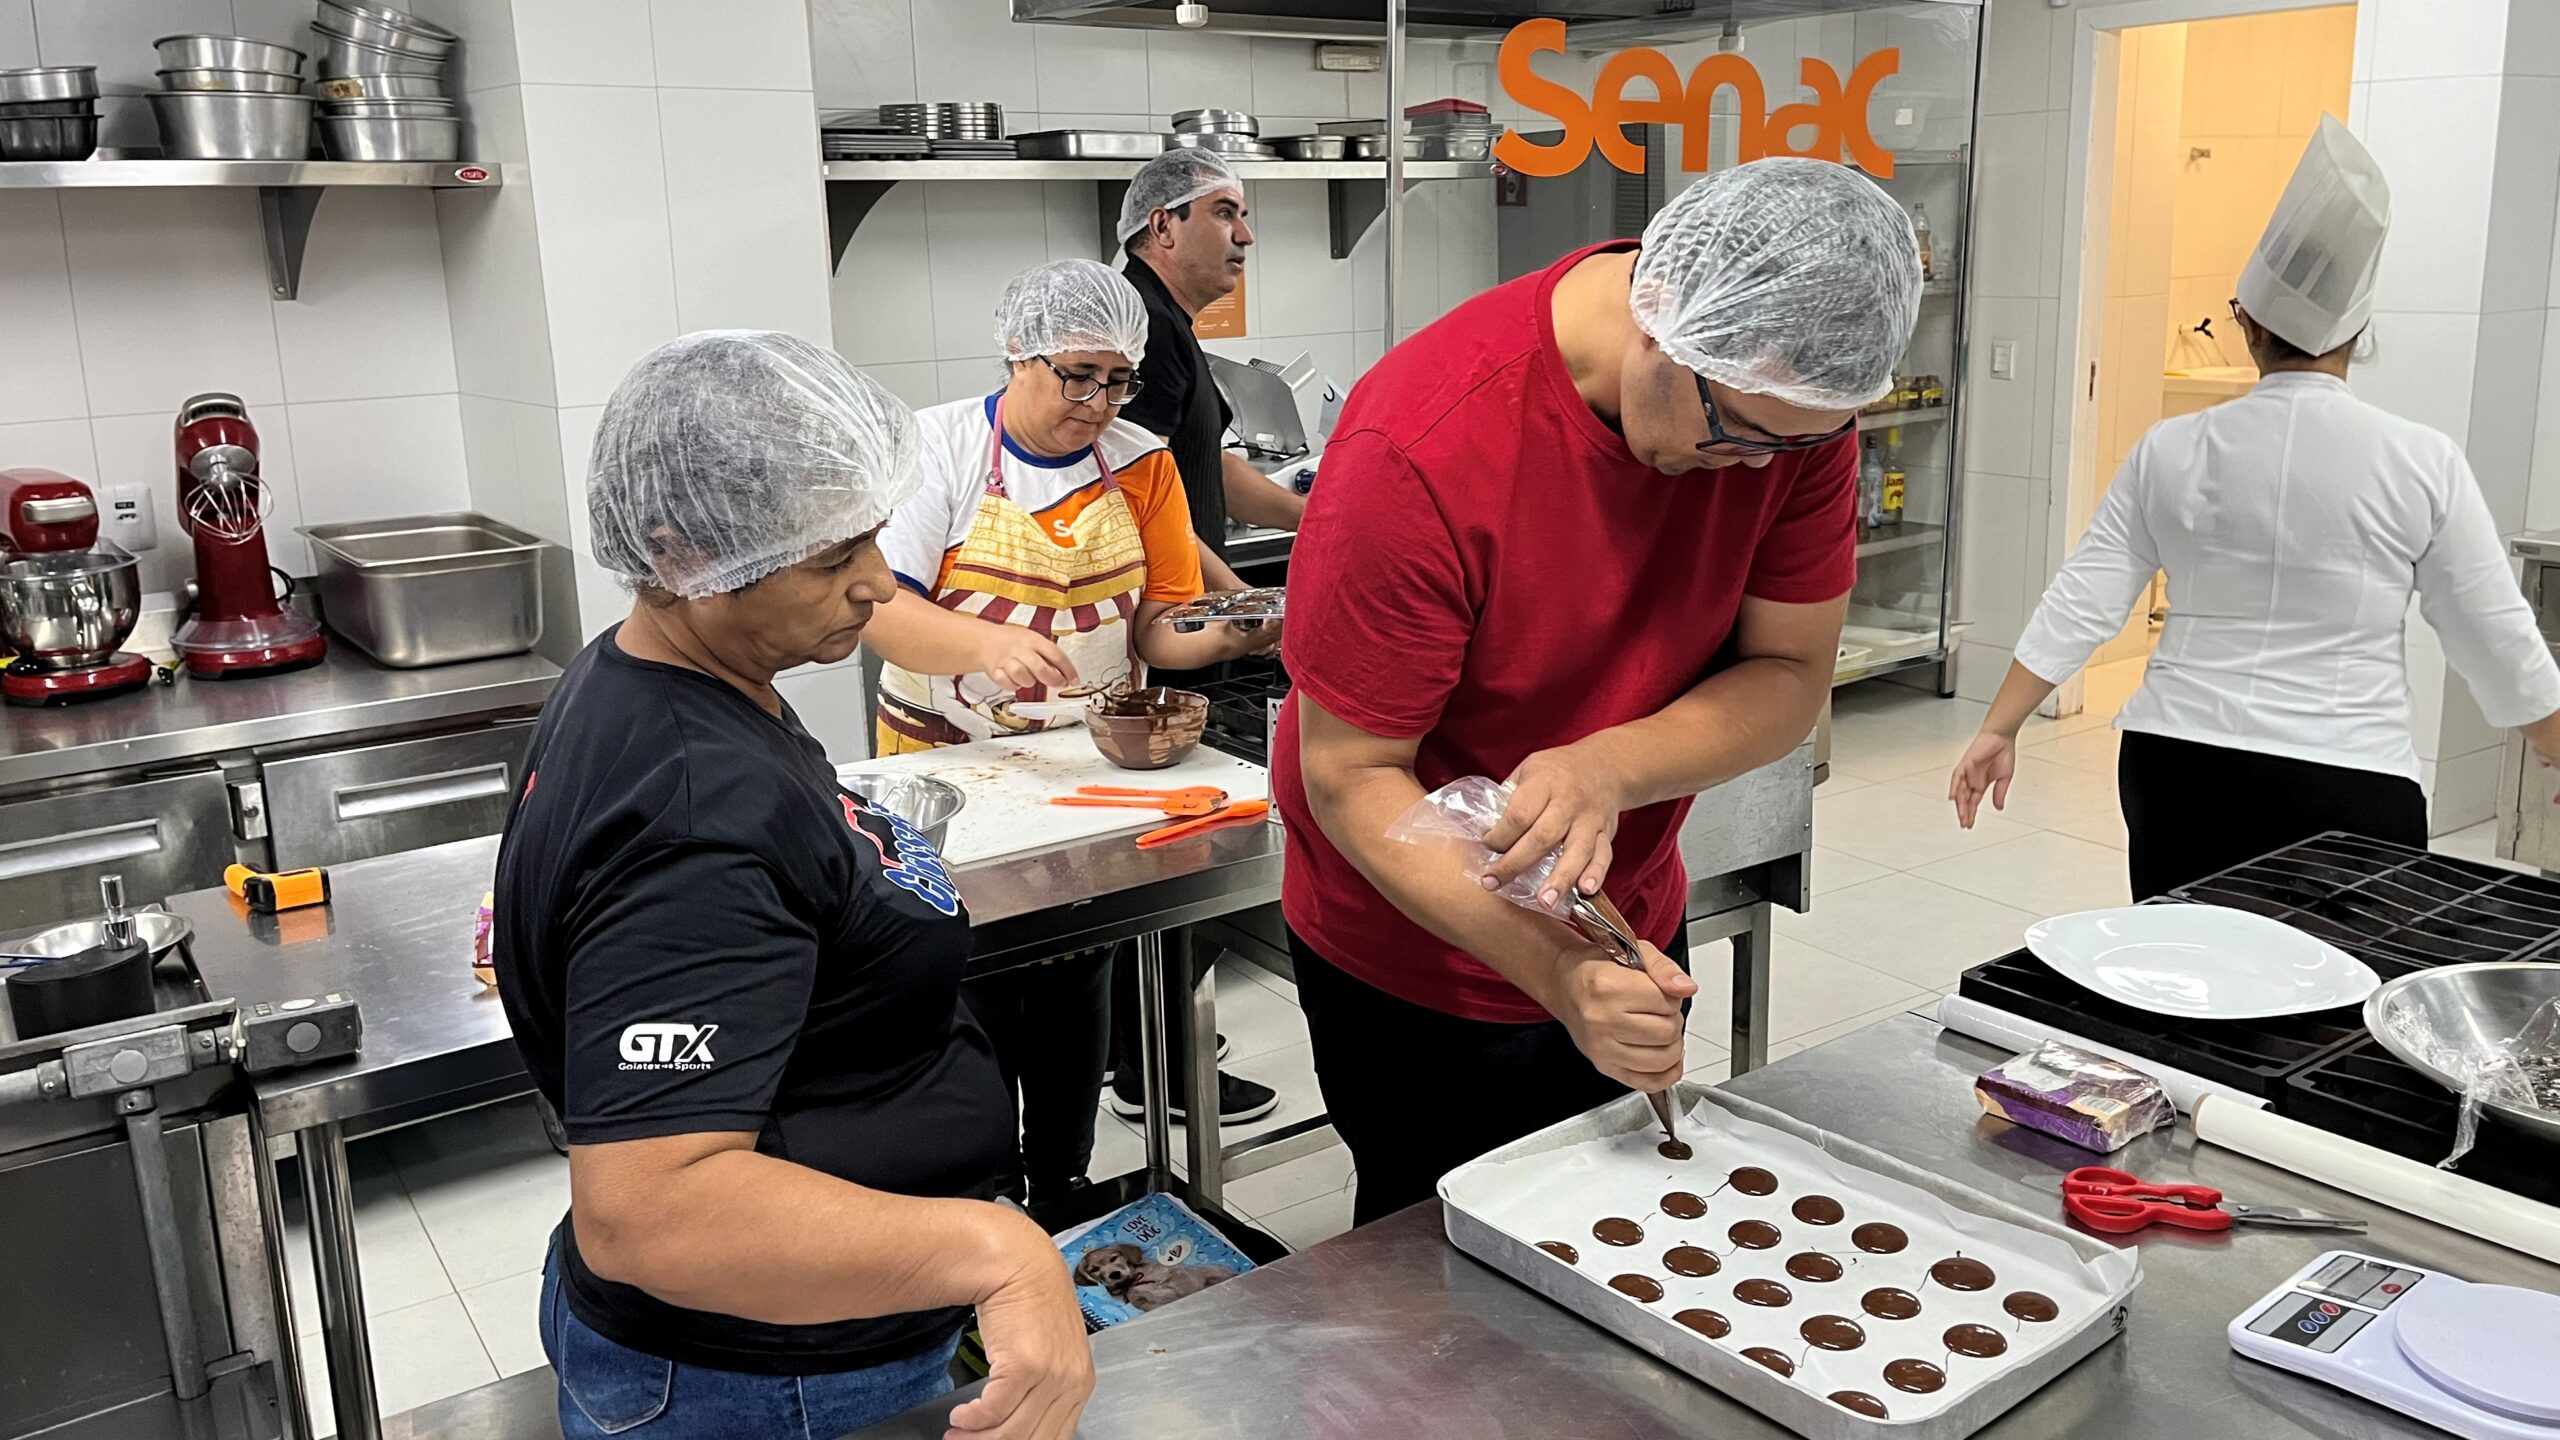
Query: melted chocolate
{"x": 1859, "y": 1401}
{"x": 1889, "y": 1303}
{"x": 2031, "y": 1307}
{"x": 1818, "y": 1210}
{"x": 1754, "y": 1234}
{"x": 1958, "y": 1273}
{"x": 1752, "y": 1180}
{"x": 1706, "y": 1322}
{"x": 1768, "y": 1294}
{"x": 1618, "y": 1231}
{"x": 1917, "y": 1377}
{"x": 1877, "y": 1238}
{"x": 1674, "y": 1150}
{"x": 1815, "y": 1266}
{"x": 1691, "y": 1261}
{"x": 1763, "y": 1355}
{"x": 1561, "y": 1251}
{"x": 1681, "y": 1205}
{"x": 1642, "y": 1287}
{"x": 1832, "y": 1332}
{"x": 1979, "y": 1341}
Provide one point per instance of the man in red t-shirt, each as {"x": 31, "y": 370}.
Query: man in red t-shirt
{"x": 1592, "y": 533}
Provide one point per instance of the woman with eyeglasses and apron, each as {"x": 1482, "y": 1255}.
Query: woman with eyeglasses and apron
{"x": 1048, "y": 535}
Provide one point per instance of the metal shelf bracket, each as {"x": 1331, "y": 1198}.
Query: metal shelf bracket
{"x": 849, "y": 203}
{"x": 286, "y": 212}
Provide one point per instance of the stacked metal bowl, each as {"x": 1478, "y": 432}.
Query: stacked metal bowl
{"x": 228, "y": 97}
{"x": 382, "y": 84}
{"x": 1232, "y": 133}
{"x": 49, "y": 112}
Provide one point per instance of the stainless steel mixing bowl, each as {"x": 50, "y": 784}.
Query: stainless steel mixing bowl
{"x": 70, "y": 607}
{"x": 2465, "y": 1009}
{"x": 920, "y": 800}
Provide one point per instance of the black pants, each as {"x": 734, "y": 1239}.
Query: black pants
{"x": 2191, "y": 809}
{"x": 1415, "y": 1093}
{"x": 1050, "y": 1025}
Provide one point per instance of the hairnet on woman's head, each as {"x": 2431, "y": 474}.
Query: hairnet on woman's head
{"x": 1071, "y": 305}
{"x": 728, "y": 454}
{"x": 1172, "y": 180}
{"x": 1787, "y": 277}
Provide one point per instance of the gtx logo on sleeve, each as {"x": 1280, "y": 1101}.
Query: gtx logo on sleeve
{"x": 667, "y": 1046}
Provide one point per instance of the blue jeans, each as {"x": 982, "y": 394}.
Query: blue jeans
{"x": 611, "y": 1389}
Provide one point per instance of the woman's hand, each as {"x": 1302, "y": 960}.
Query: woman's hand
{"x": 1626, "y": 1022}
{"x": 1039, "y": 1363}
{"x": 1019, "y": 659}
{"x": 1988, "y": 765}
{"x": 1561, "y": 799}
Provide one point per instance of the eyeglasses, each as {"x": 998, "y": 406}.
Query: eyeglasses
{"x": 1720, "y": 442}
{"x": 1080, "y": 389}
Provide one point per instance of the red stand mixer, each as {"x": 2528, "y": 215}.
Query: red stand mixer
{"x": 238, "y": 628}
{"x": 68, "y": 599}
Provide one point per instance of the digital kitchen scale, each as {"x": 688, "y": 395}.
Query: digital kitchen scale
{"x": 2475, "y": 1360}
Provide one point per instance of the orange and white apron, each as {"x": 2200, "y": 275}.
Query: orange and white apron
{"x": 1075, "y": 578}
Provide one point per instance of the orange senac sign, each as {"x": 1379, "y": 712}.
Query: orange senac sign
{"x": 1836, "y": 115}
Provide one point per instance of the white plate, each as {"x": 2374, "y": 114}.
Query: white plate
{"x": 2203, "y": 962}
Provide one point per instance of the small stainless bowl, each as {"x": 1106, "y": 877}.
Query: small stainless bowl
{"x": 71, "y": 607}
{"x": 2467, "y": 1010}
{"x": 208, "y": 125}
{"x": 65, "y": 133}
{"x": 343, "y": 58}
{"x": 390, "y": 137}
{"x": 920, "y": 800}
{"x": 1312, "y": 147}
{"x": 48, "y": 82}
{"x": 342, "y": 89}
{"x": 259, "y": 82}
{"x": 159, "y": 930}
{"x": 226, "y": 52}
{"x": 371, "y": 25}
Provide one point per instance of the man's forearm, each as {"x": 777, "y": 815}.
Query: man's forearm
{"x": 1254, "y": 499}
{"x": 1734, "y": 721}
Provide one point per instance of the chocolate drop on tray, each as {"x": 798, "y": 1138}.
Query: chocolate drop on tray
{"x": 1888, "y": 1303}
{"x": 1617, "y": 1230}
{"x": 1674, "y": 1150}
{"x": 1706, "y": 1322}
{"x": 1763, "y": 1355}
{"x": 1681, "y": 1205}
{"x": 1832, "y": 1332}
{"x": 1917, "y": 1377}
{"x": 1768, "y": 1294}
{"x": 1691, "y": 1261}
{"x": 1877, "y": 1238}
{"x": 1979, "y": 1341}
{"x": 1752, "y": 1180}
{"x": 1754, "y": 1235}
{"x": 1958, "y": 1273}
{"x": 1861, "y": 1402}
{"x": 1818, "y": 1210}
{"x": 1815, "y": 1266}
{"x": 1641, "y": 1287}
{"x": 2031, "y": 1307}
{"x": 1561, "y": 1251}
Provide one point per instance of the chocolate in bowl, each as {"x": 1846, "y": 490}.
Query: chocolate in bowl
{"x": 1147, "y": 729}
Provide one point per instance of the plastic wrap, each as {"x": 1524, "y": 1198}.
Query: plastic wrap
{"x": 1071, "y": 305}
{"x": 2088, "y": 1100}
{"x": 2520, "y": 1072}
{"x": 1459, "y": 815}
{"x": 1171, "y": 181}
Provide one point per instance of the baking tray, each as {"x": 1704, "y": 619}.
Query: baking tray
{"x": 2115, "y": 1272}
{"x": 1089, "y": 145}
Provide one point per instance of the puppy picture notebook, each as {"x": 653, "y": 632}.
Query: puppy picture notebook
{"x": 1144, "y": 1256}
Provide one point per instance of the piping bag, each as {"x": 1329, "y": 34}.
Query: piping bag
{"x": 1464, "y": 811}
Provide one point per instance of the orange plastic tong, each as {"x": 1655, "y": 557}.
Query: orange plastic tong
{"x": 1194, "y": 800}
{"x": 1225, "y": 815}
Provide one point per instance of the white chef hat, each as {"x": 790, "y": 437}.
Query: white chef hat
{"x": 2310, "y": 280}
{"x": 1172, "y": 180}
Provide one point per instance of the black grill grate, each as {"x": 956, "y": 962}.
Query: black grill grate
{"x": 1239, "y": 708}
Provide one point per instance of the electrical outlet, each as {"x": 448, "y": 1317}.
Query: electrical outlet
{"x": 2004, "y": 359}
{"x": 129, "y": 520}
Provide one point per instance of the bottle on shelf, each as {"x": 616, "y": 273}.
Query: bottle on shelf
{"x": 1920, "y": 229}
{"x": 1894, "y": 480}
{"x": 1870, "y": 486}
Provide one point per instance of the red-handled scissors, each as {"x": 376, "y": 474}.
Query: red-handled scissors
{"x": 2119, "y": 1204}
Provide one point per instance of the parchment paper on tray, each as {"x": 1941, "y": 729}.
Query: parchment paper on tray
{"x": 1769, "y": 1257}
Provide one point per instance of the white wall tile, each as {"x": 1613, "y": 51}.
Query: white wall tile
{"x": 863, "y": 52}
{"x": 171, "y": 290}
{"x": 965, "y": 379}
{"x": 1072, "y": 220}
{"x": 63, "y": 445}
{"x": 371, "y": 319}
{"x": 40, "y": 359}
{"x": 584, "y": 42}
{"x": 981, "y": 235}
{"x": 1991, "y": 572}
{"x": 830, "y": 703}
{"x": 486, "y": 59}
{"x": 2434, "y": 138}
{"x": 732, "y": 44}
{"x": 360, "y": 459}
{"x": 2017, "y": 43}
{"x": 2465, "y": 792}
{"x": 2505, "y": 391}
{"x": 1088, "y": 68}
{"x": 1999, "y": 422}
{"x": 1186, "y": 71}
{"x": 2011, "y": 215}
{"x": 512, "y": 455}
{"x": 746, "y": 211}
{"x": 2542, "y": 503}
{"x": 501, "y": 329}
{"x": 1287, "y": 82}
{"x": 17, "y": 34}
{"x": 279, "y": 22}
{"x": 2524, "y": 194}
{"x": 2422, "y": 368}
{"x": 608, "y": 273}
{"x": 2439, "y": 38}
{"x": 967, "y": 51}
{"x": 882, "y": 294}
{"x": 913, "y": 382}
{"x": 116, "y": 37}
{"x": 2533, "y": 38}
{"x": 1291, "y": 269}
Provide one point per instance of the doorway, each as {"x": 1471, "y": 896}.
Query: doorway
{"x": 2195, "y": 125}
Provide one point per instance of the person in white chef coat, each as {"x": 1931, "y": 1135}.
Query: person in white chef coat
{"x": 2294, "y": 523}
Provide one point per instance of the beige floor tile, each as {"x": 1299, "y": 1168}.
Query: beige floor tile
{"x": 1836, "y": 869}
{"x": 488, "y": 1187}
{"x": 2050, "y": 796}
{"x": 1255, "y": 1018}
{"x": 1307, "y": 1178}
{"x": 1884, "y": 732}
{"x": 396, "y": 1262}
{"x": 1118, "y": 1147}
{"x": 1312, "y": 1222}
{"x": 1915, "y": 930}
{"x": 2477, "y": 842}
{"x": 1290, "y": 1070}
{"x": 2044, "y": 874}
{"x": 421, "y": 1354}
{"x": 1808, "y": 988}
{"x": 1899, "y": 829}
{"x": 507, "y": 1315}
{"x": 2092, "y": 749}
{"x": 1702, "y": 1052}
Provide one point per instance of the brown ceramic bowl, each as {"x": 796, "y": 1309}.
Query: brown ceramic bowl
{"x": 1147, "y": 729}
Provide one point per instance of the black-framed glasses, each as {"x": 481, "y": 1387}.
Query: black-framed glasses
{"x": 1080, "y": 389}
{"x": 1718, "y": 442}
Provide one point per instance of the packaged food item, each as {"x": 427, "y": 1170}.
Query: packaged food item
{"x": 2089, "y": 1100}
{"x": 1144, "y": 1256}
{"x": 481, "y": 967}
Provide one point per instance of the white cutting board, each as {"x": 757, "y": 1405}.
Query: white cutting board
{"x": 1009, "y": 782}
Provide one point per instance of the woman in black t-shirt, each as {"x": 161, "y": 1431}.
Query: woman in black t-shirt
{"x": 739, "y": 985}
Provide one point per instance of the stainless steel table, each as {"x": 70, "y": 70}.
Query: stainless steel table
{"x": 1389, "y": 1330}
{"x": 397, "y": 936}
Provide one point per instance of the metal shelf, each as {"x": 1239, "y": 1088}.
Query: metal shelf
{"x": 1897, "y": 419}
{"x": 1355, "y": 189}
{"x": 289, "y": 191}
{"x": 1908, "y": 535}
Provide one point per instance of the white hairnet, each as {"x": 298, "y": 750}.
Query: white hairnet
{"x": 1071, "y": 305}
{"x": 1787, "y": 277}
{"x": 1172, "y": 180}
{"x": 726, "y": 455}
{"x": 2311, "y": 277}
